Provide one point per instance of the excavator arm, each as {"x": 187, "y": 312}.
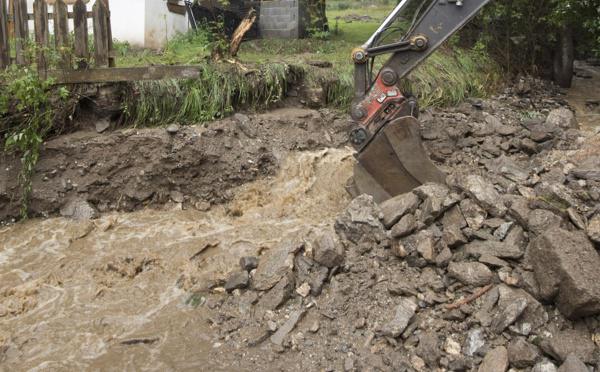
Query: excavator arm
{"x": 386, "y": 134}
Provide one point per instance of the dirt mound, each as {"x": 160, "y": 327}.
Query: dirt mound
{"x": 197, "y": 166}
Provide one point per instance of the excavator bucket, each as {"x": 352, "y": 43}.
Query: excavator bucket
{"x": 394, "y": 163}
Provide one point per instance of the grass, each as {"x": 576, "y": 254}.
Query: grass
{"x": 447, "y": 77}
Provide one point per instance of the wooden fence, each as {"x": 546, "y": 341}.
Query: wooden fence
{"x": 73, "y": 52}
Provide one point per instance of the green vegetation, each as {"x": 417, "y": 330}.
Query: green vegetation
{"x": 28, "y": 106}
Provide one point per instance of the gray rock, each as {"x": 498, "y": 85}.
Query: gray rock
{"x": 278, "y": 337}
{"x": 102, "y": 125}
{"x": 577, "y": 342}
{"x": 593, "y": 229}
{"x": 327, "y": 251}
{"x": 492, "y": 248}
{"x": 453, "y": 236}
{"x": 444, "y": 257}
{"x": 502, "y": 231}
{"x": 248, "y": 263}
{"x": 454, "y": 218}
{"x": 78, "y": 209}
{"x": 395, "y": 208}
{"x": 544, "y": 366}
{"x": 493, "y": 261}
{"x": 177, "y": 196}
{"x": 508, "y": 168}
{"x": 237, "y": 280}
{"x": 474, "y": 343}
{"x": 496, "y": 360}
{"x": 540, "y": 220}
{"x": 405, "y": 311}
{"x": 519, "y": 209}
{"x": 566, "y": 268}
{"x": 573, "y": 364}
{"x": 484, "y": 193}
{"x": 522, "y": 354}
{"x": 406, "y": 226}
{"x": 244, "y": 124}
{"x": 308, "y": 271}
{"x": 429, "y": 348}
{"x": 562, "y": 118}
{"x": 436, "y": 200}
{"x": 173, "y": 129}
{"x": 277, "y": 263}
{"x": 534, "y": 314}
{"x": 473, "y": 214}
{"x": 508, "y": 315}
{"x": 279, "y": 294}
{"x": 361, "y": 218}
{"x": 470, "y": 273}
{"x": 425, "y": 247}
{"x": 578, "y": 221}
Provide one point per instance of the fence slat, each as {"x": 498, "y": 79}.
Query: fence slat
{"x": 4, "y": 46}
{"x": 21, "y": 30}
{"x": 100, "y": 34}
{"x": 40, "y": 22}
{"x": 61, "y": 33}
{"x": 111, "y": 57}
{"x": 81, "y": 34}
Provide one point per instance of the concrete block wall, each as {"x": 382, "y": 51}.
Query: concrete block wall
{"x": 282, "y": 19}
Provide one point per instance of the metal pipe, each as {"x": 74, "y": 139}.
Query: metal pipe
{"x": 388, "y": 21}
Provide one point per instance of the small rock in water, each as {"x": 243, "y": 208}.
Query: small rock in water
{"x": 237, "y": 280}
{"x": 102, "y": 125}
{"x": 173, "y": 128}
{"x": 248, "y": 263}
{"x": 79, "y": 210}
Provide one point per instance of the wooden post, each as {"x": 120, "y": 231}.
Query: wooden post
{"x": 100, "y": 33}
{"x": 61, "y": 33}
{"x": 81, "y": 34}
{"x": 4, "y": 46}
{"x": 40, "y": 21}
{"x": 111, "y": 52}
{"x": 21, "y": 30}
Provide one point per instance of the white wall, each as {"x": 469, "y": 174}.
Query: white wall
{"x": 127, "y": 20}
{"x": 161, "y": 24}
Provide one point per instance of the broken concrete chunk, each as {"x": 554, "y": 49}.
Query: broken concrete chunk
{"x": 473, "y": 214}
{"x": 484, "y": 194}
{"x": 573, "y": 364}
{"x": 562, "y": 118}
{"x": 522, "y": 354}
{"x": 397, "y": 207}
{"x": 474, "y": 343}
{"x": 360, "y": 218}
{"x": 278, "y": 261}
{"x": 593, "y": 229}
{"x": 406, "y": 226}
{"x": 470, "y": 273}
{"x": 508, "y": 315}
{"x": 327, "y": 251}
{"x": 496, "y": 360}
{"x": 405, "y": 311}
{"x": 540, "y": 220}
{"x": 577, "y": 342}
{"x": 278, "y": 337}
{"x": 237, "y": 280}
{"x": 492, "y": 248}
{"x": 566, "y": 268}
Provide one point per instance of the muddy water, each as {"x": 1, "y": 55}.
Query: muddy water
{"x": 114, "y": 294}
{"x": 584, "y": 96}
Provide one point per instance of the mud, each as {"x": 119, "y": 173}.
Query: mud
{"x": 118, "y": 292}
{"x": 129, "y": 169}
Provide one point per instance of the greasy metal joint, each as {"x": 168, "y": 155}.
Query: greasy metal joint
{"x": 358, "y": 113}
{"x": 419, "y": 42}
{"x": 389, "y": 76}
{"x": 359, "y": 55}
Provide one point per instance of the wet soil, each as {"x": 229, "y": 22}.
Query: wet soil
{"x": 129, "y": 169}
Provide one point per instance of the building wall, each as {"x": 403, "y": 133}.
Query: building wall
{"x": 161, "y": 25}
{"x": 281, "y": 19}
{"x": 127, "y": 20}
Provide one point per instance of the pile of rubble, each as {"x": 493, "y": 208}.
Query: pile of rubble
{"x": 495, "y": 270}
